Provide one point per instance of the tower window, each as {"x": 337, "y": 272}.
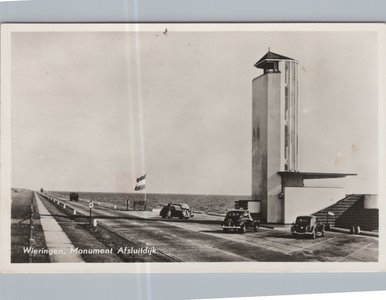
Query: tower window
{"x": 256, "y": 133}
{"x": 286, "y": 143}
{"x": 286, "y": 100}
{"x": 286, "y": 135}
{"x": 287, "y": 72}
{"x": 271, "y": 67}
{"x": 286, "y": 152}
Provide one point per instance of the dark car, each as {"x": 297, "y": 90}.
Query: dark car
{"x": 179, "y": 210}
{"x": 74, "y": 197}
{"x": 239, "y": 220}
{"x": 307, "y": 226}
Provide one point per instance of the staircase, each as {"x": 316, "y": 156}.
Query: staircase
{"x": 349, "y": 212}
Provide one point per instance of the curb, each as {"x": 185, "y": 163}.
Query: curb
{"x": 344, "y": 230}
{"x": 215, "y": 214}
{"x": 269, "y": 226}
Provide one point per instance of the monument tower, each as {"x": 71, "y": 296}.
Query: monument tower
{"x": 275, "y": 130}
{"x": 276, "y": 180}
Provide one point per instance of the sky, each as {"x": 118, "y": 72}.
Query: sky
{"x": 91, "y": 111}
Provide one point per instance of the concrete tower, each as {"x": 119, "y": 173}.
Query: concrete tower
{"x": 275, "y": 131}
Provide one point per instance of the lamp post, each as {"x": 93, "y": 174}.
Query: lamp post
{"x": 329, "y": 213}
{"x": 90, "y": 205}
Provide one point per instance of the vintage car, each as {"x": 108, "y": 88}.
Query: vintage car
{"x": 307, "y": 226}
{"x": 239, "y": 220}
{"x": 179, "y": 210}
{"x": 74, "y": 197}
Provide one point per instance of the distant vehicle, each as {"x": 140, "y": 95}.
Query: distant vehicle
{"x": 74, "y": 197}
{"x": 179, "y": 210}
{"x": 239, "y": 220}
{"x": 307, "y": 226}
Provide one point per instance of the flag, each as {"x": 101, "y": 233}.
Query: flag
{"x": 139, "y": 187}
{"x": 140, "y": 183}
{"x": 141, "y": 178}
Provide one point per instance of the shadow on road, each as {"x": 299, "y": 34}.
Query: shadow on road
{"x": 229, "y": 233}
{"x": 194, "y": 221}
{"x": 287, "y": 237}
{"x": 214, "y": 231}
{"x": 126, "y": 217}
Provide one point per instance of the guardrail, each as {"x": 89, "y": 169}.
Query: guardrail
{"x": 70, "y": 211}
{"x": 122, "y": 207}
{"x": 31, "y": 240}
{"x": 96, "y": 203}
{"x": 63, "y": 206}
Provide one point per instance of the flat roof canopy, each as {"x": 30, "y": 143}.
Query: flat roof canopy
{"x": 314, "y": 175}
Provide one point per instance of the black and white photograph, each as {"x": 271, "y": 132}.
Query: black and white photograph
{"x": 191, "y": 147}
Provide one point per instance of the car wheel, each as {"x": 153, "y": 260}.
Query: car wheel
{"x": 254, "y": 228}
{"x": 226, "y": 230}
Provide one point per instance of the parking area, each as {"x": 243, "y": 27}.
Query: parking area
{"x": 276, "y": 244}
{"x": 333, "y": 247}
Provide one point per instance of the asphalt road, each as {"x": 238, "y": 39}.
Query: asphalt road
{"x": 202, "y": 240}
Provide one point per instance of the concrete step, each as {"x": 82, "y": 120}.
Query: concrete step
{"x": 350, "y": 211}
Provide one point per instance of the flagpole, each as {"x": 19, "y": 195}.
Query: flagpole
{"x": 141, "y": 185}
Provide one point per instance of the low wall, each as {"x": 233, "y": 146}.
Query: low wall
{"x": 308, "y": 200}
{"x": 371, "y": 201}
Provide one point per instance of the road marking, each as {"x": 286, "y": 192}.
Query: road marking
{"x": 309, "y": 246}
{"x": 257, "y": 245}
{"x": 356, "y": 251}
{"x": 163, "y": 246}
{"x": 280, "y": 246}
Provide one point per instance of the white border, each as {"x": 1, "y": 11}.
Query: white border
{"x": 229, "y": 267}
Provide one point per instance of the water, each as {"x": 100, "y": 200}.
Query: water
{"x": 205, "y": 203}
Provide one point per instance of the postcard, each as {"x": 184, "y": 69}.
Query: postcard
{"x": 192, "y": 147}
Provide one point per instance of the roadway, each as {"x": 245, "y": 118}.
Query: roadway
{"x": 201, "y": 240}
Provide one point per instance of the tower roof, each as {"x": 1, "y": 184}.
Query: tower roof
{"x": 269, "y": 57}
{"x": 315, "y": 175}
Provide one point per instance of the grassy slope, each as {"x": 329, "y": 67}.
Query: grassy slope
{"x": 20, "y": 228}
